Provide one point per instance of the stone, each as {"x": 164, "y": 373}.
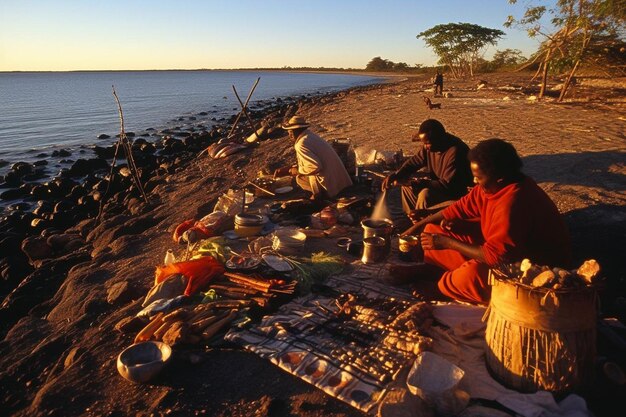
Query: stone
{"x": 120, "y": 293}
{"x": 36, "y": 248}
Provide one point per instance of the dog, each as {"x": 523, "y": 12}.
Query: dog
{"x": 430, "y": 104}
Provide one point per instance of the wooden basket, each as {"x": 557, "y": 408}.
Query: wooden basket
{"x": 539, "y": 338}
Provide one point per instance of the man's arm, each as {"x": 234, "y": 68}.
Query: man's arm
{"x": 417, "y": 227}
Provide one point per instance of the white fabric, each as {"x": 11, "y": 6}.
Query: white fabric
{"x": 464, "y": 345}
{"x": 321, "y": 165}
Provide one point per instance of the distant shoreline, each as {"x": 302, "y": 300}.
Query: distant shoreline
{"x": 296, "y": 70}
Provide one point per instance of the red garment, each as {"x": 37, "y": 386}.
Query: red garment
{"x": 519, "y": 221}
{"x": 200, "y": 272}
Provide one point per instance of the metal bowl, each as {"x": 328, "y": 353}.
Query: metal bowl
{"x": 143, "y": 361}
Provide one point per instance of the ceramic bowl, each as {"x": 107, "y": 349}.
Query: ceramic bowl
{"x": 143, "y": 361}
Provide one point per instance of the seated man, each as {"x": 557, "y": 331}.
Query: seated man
{"x": 443, "y": 157}
{"x": 507, "y": 217}
{"x": 319, "y": 169}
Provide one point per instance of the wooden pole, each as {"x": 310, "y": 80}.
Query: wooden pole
{"x": 243, "y": 109}
{"x": 246, "y": 105}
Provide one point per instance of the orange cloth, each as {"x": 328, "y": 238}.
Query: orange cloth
{"x": 519, "y": 221}
{"x": 199, "y": 271}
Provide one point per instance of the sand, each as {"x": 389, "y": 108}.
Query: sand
{"x": 60, "y": 358}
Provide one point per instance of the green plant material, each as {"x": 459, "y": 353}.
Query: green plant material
{"x": 320, "y": 266}
{"x": 210, "y": 295}
{"x": 215, "y": 247}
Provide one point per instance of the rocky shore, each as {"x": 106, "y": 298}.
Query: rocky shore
{"x": 67, "y": 280}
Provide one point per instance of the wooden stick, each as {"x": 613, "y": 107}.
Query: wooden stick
{"x": 241, "y": 112}
{"x": 262, "y": 189}
{"x": 243, "y": 109}
{"x": 377, "y": 174}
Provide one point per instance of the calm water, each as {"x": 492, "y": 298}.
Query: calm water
{"x": 41, "y": 112}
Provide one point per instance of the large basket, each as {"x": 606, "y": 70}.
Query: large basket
{"x": 541, "y": 339}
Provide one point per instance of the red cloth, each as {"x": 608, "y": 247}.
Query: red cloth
{"x": 200, "y": 272}
{"x": 182, "y": 228}
{"x": 519, "y": 221}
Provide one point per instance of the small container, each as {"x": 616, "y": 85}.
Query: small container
{"x": 170, "y": 258}
{"x": 410, "y": 249}
{"x": 248, "y": 224}
{"x": 374, "y": 250}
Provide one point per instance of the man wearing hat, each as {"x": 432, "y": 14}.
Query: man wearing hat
{"x": 319, "y": 169}
{"x": 444, "y": 171}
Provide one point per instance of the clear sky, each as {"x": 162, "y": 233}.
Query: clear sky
{"x": 60, "y": 35}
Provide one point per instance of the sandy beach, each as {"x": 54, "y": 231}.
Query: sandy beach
{"x": 59, "y": 357}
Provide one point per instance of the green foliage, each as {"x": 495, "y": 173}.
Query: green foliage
{"x": 320, "y": 266}
{"x": 581, "y": 29}
{"x": 460, "y": 45}
{"x": 507, "y": 58}
{"x": 379, "y": 64}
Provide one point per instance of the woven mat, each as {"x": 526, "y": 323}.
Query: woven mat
{"x": 347, "y": 359}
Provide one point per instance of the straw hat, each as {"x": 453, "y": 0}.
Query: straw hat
{"x": 296, "y": 122}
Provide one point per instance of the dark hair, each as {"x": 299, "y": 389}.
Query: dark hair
{"x": 497, "y": 159}
{"x": 433, "y": 128}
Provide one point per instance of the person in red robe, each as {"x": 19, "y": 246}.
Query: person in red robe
{"x": 505, "y": 218}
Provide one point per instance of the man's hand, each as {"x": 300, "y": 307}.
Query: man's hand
{"x": 433, "y": 241}
{"x": 420, "y": 182}
{"x": 293, "y": 171}
{"x": 388, "y": 182}
{"x": 417, "y": 215}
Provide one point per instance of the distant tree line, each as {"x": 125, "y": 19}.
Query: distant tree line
{"x": 502, "y": 60}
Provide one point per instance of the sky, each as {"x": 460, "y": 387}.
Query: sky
{"x": 65, "y": 35}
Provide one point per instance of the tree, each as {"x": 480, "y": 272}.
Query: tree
{"x": 379, "y": 64}
{"x": 579, "y": 27}
{"x": 459, "y": 45}
{"x": 507, "y": 58}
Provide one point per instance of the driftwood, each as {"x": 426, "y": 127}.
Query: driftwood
{"x": 126, "y": 146}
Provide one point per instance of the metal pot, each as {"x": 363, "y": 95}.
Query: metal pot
{"x": 380, "y": 228}
{"x": 374, "y": 250}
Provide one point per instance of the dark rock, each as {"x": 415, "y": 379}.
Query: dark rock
{"x": 130, "y": 325}
{"x": 40, "y": 163}
{"x": 18, "y": 207}
{"x": 22, "y": 168}
{"x": 36, "y": 248}
{"x": 40, "y": 192}
{"x": 63, "y": 206}
{"x": 75, "y": 355}
{"x": 73, "y": 245}
{"x": 59, "y": 241}
{"x": 103, "y": 136}
{"x": 38, "y": 287}
{"x": 37, "y": 175}
{"x": 12, "y": 179}
{"x": 12, "y": 194}
{"x": 121, "y": 293}
{"x": 61, "y": 153}
{"x": 106, "y": 226}
{"x": 87, "y": 166}
{"x": 43, "y": 207}
{"x": 82, "y": 228}
{"x": 104, "y": 152}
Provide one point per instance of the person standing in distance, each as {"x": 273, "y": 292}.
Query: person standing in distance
{"x": 438, "y": 83}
